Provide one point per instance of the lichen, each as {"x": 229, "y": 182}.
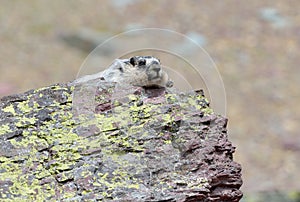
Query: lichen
{"x": 24, "y": 106}
{"x": 10, "y": 109}
{"x": 25, "y": 122}
{"x": 4, "y": 129}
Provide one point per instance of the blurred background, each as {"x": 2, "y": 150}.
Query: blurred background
{"x": 255, "y": 46}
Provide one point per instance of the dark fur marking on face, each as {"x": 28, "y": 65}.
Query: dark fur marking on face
{"x": 121, "y": 69}
{"x": 142, "y": 62}
{"x": 133, "y": 61}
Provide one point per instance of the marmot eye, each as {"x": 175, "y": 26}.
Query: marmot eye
{"x": 121, "y": 69}
{"x": 155, "y": 63}
{"x": 142, "y": 62}
{"x": 133, "y": 61}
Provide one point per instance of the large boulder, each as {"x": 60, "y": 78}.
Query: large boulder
{"x": 142, "y": 145}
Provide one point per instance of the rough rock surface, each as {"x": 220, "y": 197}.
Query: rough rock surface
{"x": 146, "y": 145}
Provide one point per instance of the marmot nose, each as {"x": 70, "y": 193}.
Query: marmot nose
{"x": 156, "y": 68}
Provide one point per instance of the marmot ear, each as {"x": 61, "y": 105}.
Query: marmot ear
{"x": 133, "y": 61}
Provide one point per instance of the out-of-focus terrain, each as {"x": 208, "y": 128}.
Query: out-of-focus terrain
{"x": 255, "y": 45}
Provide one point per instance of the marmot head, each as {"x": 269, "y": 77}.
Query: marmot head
{"x": 138, "y": 71}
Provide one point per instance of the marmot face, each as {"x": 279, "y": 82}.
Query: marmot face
{"x": 148, "y": 64}
{"x": 138, "y": 71}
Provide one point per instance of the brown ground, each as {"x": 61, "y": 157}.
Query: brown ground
{"x": 256, "y": 57}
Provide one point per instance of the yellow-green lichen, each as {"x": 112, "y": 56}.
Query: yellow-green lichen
{"x": 24, "y": 121}
{"x": 24, "y": 107}
{"x": 132, "y": 97}
{"x": 171, "y": 98}
{"x": 24, "y": 143}
{"x": 207, "y": 111}
{"x": 10, "y": 109}
{"x": 26, "y": 188}
{"x": 42, "y": 173}
{"x": 167, "y": 118}
{"x": 4, "y": 129}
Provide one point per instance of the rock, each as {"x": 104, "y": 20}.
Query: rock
{"x": 149, "y": 145}
{"x": 274, "y": 196}
{"x": 273, "y": 16}
{"x": 87, "y": 40}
